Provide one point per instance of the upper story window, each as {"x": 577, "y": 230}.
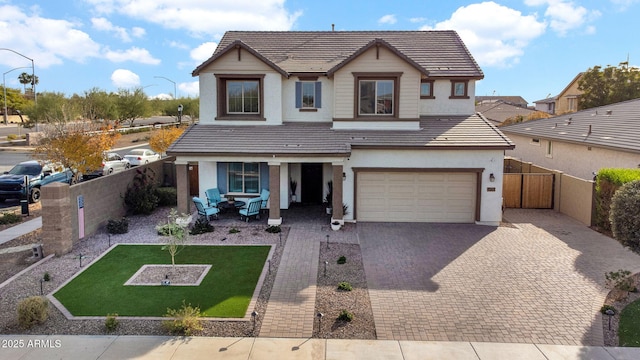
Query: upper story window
{"x": 459, "y": 89}
{"x": 426, "y": 89}
{"x": 240, "y": 96}
{"x": 308, "y": 95}
{"x": 244, "y": 178}
{"x": 376, "y": 97}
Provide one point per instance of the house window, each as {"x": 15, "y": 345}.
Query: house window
{"x": 308, "y": 95}
{"x": 535, "y": 141}
{"x": 572, "y": 104}
{"x": 549, "y": 149}
{"x": 244, "y": 178}
{"x": 376, "y": 97}
{"x": 240, "y": 96}
{"x": 426, "y": 89}
{"x": 459, "y": 89}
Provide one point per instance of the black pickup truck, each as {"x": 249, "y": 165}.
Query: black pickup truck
{"x": 32, "y": 175}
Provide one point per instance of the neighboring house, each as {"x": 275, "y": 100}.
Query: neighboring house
{"x": 387, "y": 116}
{"x": 565, "y": 102}
{"x": 581, "y": 143}
{"x": 512, "y": 100}
{"x": 497, "y": 112}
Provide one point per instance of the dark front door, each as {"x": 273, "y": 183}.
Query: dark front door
{"x": 311, "y": 184}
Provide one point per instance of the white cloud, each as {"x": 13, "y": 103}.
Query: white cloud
{"x": 103, "y": 24}
{"x": 199, "y": 17}
{"x": 47, "y": 41}
{"x": 565, "y": 15}
{"x": 132, "y": 54}
{"x": 624, "y": 4}
{"x": 138, "y": 32}
{"x": 203, "y": 52}
{"x": 190, "y": 88}
{"x": 496, "y": 35}
{"x": 387, "y": 19}
{"x": 417, "y": 19}
{"x": 125, "y": 79}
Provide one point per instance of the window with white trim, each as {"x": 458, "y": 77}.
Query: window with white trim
{"x": 244, "y": 178}
{"x": 549, "y": 149}
{"x": 308, "y": 95}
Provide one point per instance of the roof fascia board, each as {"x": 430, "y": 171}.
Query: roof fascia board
{"x": 235, "y": 45}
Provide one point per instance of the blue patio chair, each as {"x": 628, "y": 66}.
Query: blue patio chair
{"x": 213, "y": 196}
{"x": 252, "y": 209}
{"x": 203, "y": 210}
{"x": 264, "y": 195}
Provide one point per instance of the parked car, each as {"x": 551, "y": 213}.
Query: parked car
{"x": 141, "y": 156}
{"x": 111, "y": 163}
{"x": 25, "y": 179}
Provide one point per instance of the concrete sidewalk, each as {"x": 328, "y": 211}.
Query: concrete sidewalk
{"x": 164, "y": 347}
{"x": 20, "y": 229}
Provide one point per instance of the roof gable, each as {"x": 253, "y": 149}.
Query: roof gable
{"x": 437, "y": 53}
{"x": 235, "y": 46}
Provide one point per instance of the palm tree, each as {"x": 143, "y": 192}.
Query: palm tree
{"x": 24, "y": 79}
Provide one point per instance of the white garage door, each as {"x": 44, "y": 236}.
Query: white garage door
{"x": 416, "y": 197}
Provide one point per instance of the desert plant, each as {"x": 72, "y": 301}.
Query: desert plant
{"x": 111, "y": 322}
{"x": 342, "y": 259}
{"x": 293, "y": 185}
{"x": 624, "y": 215}
{"x": 167, "y": 196}
{"x": 10, "y": 218}
{"x": 46, "y": 276}
{"x": 140, "y": 197}
{"x": 185, "y": 321}
{"x": 201, "y": 226}
{"x": 273, "y": 229}
{"x": 233, "y": 231}
{"x": 170, "y": 229}
{"x": 345, "y": 286}
{"x": 328, "y": 199}
{"x": 604, "y": 308}
{"x": 345, "y": 209}
{"x": 33, "y": 310}
{"x": 118, "y": 226}
{"x": 620, "y": 280}
{"x": 177, "y": 235}
{"x": 345, "y": 315}
{"x": 11, "y": 137}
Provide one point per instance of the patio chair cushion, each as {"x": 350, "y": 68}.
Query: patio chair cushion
{"x": 203, "y": 210}
{"x": 264, "y": 195}
{"x": 213, "y": 196}
{"x": 252, "y": 208}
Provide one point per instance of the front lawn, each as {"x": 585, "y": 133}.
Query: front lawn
{"x": 629, "y": 328}
{"x": 225, "y": 292}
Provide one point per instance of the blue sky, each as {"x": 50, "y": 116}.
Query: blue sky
{"x": 530, "y": 48}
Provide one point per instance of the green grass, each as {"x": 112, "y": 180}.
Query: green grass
{"x": 225, "y": 292}
{"x": 629, "y": 327}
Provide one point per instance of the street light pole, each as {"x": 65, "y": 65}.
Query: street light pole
{"x": 174, "y": 85}
{"x": 33, "y": 77}
{"x": 4, "y": 88}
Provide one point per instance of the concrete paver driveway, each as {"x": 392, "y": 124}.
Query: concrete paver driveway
{"x": 538, "y": 280}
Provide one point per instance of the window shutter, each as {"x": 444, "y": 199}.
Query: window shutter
{"x": 298, "y": 94}
{"x": 318, "y": 94}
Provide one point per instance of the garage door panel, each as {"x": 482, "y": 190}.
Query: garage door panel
{"x": 416, "y": 197}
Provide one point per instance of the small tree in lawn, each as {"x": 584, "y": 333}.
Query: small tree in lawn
{"x": 177, "y": 236}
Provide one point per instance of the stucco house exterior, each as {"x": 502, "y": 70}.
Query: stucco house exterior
{"x": 565, "y": 102}
{"x": 583, "y": 142}
{"x": 386, "y": 116}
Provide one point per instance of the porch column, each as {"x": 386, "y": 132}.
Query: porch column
{"x": 274, "y": 191}
{"x": 337, "y": 214}
{"x": 182, "y": 188}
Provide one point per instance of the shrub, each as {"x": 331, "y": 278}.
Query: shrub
{"x": 345, "y": 286}
{"x": 167, "y": 196}
{"x": 345, "y": 315}
{"x": 274, "y": 229}
{"x": 201, "y": 226}
{"x": 620, "y": 280}
{"x": 170, "y": 229}
{"x": 118, "y": 226}
{"x": 233, "y": 231}
{"x": 186, "y": 320}
{"x": 10, "y": 218}
{"x": 625, "y": 217}
{"x": 607, "y": 183}
{"x": 12, "y": 137}
{"x": 140, "y": 197}
{"x": 46, "y": 277}
{"x": 342, "y": 260}
{"x": 604, "y": 308}
{"x": 33, "y": 310}
{"x": 111, "y": 322}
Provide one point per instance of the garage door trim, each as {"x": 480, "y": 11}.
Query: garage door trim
{"x": 477, "y": 171}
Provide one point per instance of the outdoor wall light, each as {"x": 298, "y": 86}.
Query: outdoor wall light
{"x": 492, "y": 177}
{"x": 344, "y": 176}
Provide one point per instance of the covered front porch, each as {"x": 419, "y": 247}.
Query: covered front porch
{"x": 244, "y": 179}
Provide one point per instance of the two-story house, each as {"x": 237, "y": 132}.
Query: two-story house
{"x": 387, "y": 116}
{"x": 565, "y": 102}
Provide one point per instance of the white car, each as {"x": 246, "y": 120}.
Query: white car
{"x": 141, "y": 156}
{"x": 111, "y": 163}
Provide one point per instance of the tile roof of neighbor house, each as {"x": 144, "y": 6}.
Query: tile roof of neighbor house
{"x": 436, "y": 53}
{"x": 514, "y": 100}
{"x": 498, "y": 112}
{"x": 614, "y": 126}
{"x": 308, "y": 139}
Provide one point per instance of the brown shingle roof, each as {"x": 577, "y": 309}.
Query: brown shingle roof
{"x": 438, "y": 53}
{"x": 309, "y": 139}
{"x": 615, "y": 126}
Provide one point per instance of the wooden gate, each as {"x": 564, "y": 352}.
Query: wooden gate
{"x": 528, "y": 191}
